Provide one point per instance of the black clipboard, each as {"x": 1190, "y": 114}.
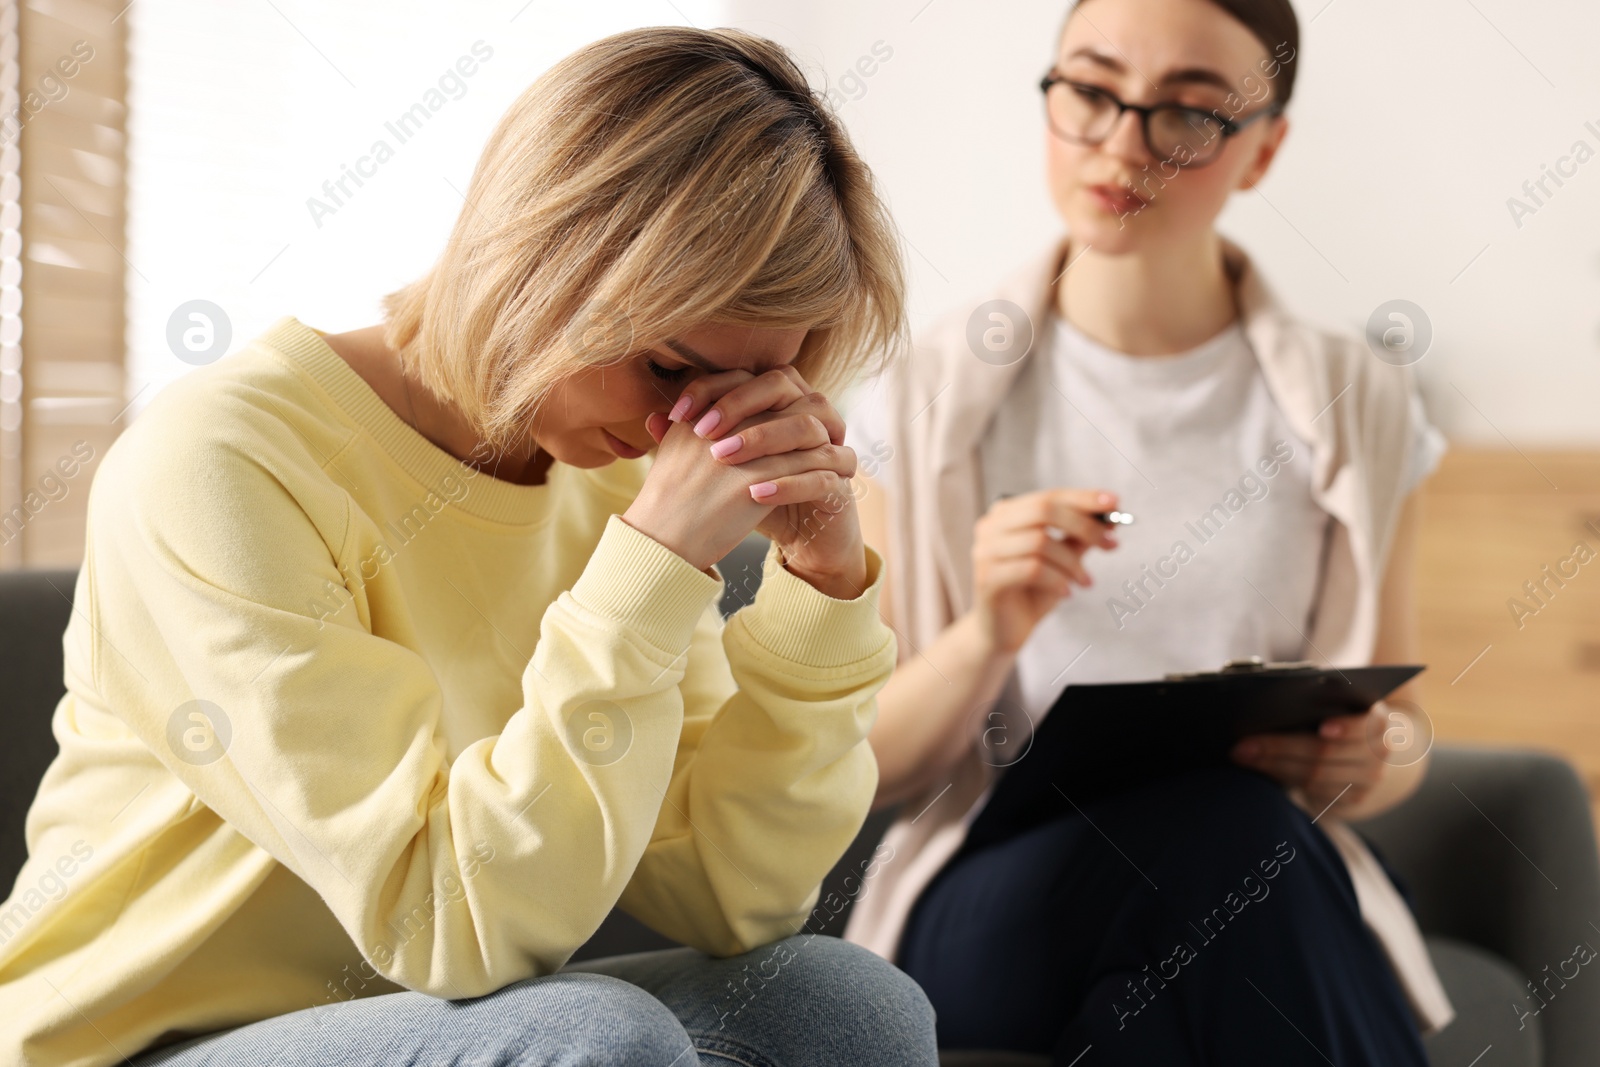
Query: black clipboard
{"x": 1098, "y": 739}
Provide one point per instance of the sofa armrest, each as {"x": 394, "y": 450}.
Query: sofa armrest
{"x": 1498, "y": 850}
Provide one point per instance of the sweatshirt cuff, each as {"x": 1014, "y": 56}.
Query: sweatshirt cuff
{"x": 793, "y": 620}
{"x": 633, "y": 578}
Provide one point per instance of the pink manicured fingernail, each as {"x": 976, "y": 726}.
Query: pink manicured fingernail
{"x": 708, "y": 423}
{"x": 727, "y": 446}
{"x": 1106, "y": 498}
{"x": 681, "y": 408}
{"x": 762, "y": 490}
{"x": 1331, "y": 729}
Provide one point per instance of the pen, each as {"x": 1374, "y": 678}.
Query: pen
{"x": 1110, "y": 518}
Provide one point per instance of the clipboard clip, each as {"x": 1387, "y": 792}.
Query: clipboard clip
{"x": 1248, "y": 665}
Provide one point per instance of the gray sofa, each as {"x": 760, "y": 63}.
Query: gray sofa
{"x": 1498, "y": 849}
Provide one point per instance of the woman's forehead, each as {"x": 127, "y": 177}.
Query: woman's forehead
{"x": 1165, "y": 43}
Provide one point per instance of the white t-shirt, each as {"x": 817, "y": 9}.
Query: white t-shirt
{"x": 1224, "y": 558}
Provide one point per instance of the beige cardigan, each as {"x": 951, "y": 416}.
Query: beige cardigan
{"x": 1352, "y": 409}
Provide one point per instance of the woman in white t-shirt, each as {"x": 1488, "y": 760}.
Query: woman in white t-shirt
{"x": 1145, "y": 389}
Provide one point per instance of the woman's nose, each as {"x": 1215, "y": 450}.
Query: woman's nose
{"x": 1126, "y": 139}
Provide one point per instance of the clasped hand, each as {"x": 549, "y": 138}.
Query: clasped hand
{"x": 742, "y": 452}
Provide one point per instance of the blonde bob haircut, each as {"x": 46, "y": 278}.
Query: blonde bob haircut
{"x": 650, "y": 183}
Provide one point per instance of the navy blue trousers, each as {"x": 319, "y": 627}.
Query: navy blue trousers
{"x": 1200, "y": 920}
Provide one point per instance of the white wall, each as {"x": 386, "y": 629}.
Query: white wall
{"x": 240, "y": 110}
{"x": 1412, "y": 125}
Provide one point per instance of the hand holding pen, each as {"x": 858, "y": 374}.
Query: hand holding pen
{"x": 1027, "y": 553}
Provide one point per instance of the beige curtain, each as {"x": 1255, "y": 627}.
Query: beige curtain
{"x": 62, "y": 267}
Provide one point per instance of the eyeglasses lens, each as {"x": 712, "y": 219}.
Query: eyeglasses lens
{"x": 1180, "y": 134}
{"x": 1183, "y": 135}
{"x": 1080, "y": 114}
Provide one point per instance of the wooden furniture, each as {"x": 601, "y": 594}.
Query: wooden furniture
{"x": 1508, "y": 593}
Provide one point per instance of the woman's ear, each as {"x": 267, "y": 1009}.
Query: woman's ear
{"x": 1276, "y": 132}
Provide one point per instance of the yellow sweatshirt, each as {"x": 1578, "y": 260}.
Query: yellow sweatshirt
{"x": 344, "y": 716}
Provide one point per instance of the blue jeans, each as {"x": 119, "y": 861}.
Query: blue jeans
{"x": 805, "y": 1000}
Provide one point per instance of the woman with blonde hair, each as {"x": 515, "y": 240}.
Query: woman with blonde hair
{"x": 395, "y": 663}
{"x": 1140, "y": 363}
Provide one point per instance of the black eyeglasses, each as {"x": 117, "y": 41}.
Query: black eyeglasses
{"x": 1187, "y": 136}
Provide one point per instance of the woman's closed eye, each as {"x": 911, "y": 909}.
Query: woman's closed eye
{"x": 666, "y": 374}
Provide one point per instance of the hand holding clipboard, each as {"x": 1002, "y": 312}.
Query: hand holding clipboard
{"x": 1167, "y": 726}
